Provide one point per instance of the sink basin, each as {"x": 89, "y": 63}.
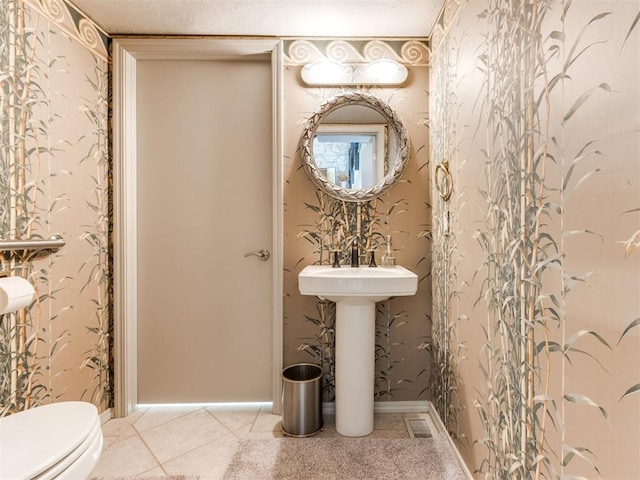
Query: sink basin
{"x": 375, "y": 284}
{"x": 355, "y": 291}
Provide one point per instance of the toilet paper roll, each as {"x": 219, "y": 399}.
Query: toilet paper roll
{"x": 15, "y": 293}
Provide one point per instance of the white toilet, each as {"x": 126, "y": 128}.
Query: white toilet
{"x": 60, "y": 440}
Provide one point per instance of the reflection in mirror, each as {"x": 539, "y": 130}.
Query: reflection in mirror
{"x": 354, "y": 147}
{"x": 351, "y": 156}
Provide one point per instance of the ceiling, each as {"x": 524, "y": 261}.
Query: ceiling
{"x": 296, "y": 18}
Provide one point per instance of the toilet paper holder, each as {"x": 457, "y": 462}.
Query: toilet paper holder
{"x": 16, "y": 292}
{"x": 54, "y": 242}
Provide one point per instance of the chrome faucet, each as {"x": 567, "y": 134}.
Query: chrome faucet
{"x": 355, "y": 257}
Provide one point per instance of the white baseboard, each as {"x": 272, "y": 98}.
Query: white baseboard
{"x": 386, "y": 407}
{"x": 105, "y": 416}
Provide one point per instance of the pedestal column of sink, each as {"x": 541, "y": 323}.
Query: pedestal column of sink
{"x": 355, "y": 291}
{"x": 355, "y": 366}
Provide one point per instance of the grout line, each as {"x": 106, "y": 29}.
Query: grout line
{"x": 220, "y": 422}
{"x": 234, "y": 432}
{"x": 237, "y": 434}
{"x": 188, "y": 451}
{"x": 152, "y": 454}
{"x": 162, "y": 465}
{"x": 153, "y": 468}
{"x": 185, "y": 413}
{"x": 255, "y": 420}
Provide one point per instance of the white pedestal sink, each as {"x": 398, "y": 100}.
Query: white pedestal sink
{"x": 355, "y": 291}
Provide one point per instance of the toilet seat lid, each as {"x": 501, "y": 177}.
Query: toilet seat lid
{"x": 34, "y": 440}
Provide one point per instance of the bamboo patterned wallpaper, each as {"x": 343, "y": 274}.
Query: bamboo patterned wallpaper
{"x": 54, "y": 180}
{"x": 312, "y": 219}
{"x": 535, "y": 105}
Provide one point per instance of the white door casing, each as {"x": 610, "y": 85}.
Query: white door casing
{"x": 126, "y": 54}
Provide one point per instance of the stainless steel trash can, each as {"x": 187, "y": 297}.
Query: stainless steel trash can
{"x": 301, "y": 400}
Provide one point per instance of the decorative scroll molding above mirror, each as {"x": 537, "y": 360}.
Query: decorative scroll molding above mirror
{"x": 444, "y": 22}
{"x": 407, "y": 52}
{"x": 358, "y": 178}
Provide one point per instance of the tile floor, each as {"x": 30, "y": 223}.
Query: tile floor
{"x": 200, "y": 441}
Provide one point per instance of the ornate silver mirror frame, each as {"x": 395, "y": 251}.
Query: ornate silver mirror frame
{"x": 397, "y": 164}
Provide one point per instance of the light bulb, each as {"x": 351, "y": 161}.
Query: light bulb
{"x": 323, "y": 71}
{"x": 383, "y": 70}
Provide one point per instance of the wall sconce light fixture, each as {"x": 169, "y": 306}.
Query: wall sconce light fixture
{"x": 378, "y": 72}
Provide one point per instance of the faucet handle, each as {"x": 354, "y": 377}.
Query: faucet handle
{"x": 336, "y": 258}
{"x": 372, "y": 259}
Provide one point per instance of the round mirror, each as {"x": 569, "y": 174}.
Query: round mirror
{"x": 354, "y": 147}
